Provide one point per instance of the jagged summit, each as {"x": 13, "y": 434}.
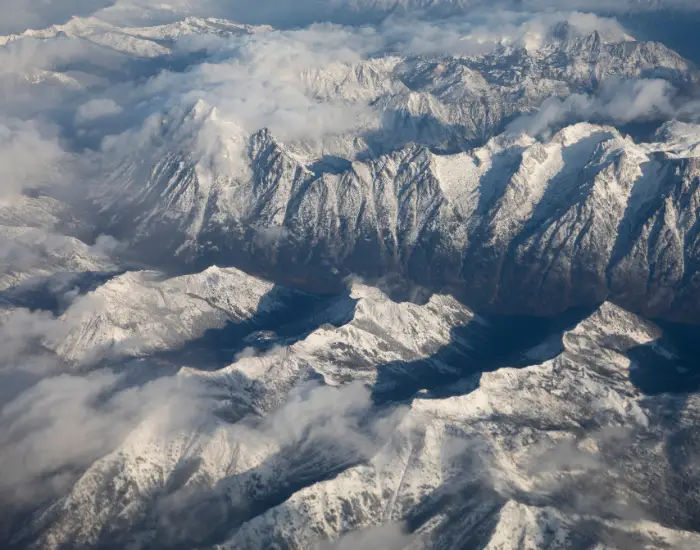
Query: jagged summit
{"x": 411, "y": 277}
{"x": 567, "y": 215}
{"x": 511, "y": 437}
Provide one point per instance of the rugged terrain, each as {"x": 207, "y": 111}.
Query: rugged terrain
{"x": 428, "y": 289}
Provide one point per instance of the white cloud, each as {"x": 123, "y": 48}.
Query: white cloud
{"x": 97, "y": 108}
{"x": 30, "y": 157}
{"x": 618, "y": 101}
{"x": 65, "y": 422}
{"x": 389, "y": 536}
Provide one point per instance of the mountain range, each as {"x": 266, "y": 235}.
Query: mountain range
{"x": 349, "y": 285}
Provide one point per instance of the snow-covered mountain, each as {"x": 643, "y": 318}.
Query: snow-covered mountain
{"x": 566, "y": 450}
{"x": 518, "y": 225}
{"x": 422, "y": 275}
{"x": 420, "y": 188}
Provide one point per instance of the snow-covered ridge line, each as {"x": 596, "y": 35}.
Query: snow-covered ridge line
{"x": 515, "y": 225}
{"x": 444, "y": 238}
{"x": 512, "y": 437}
{"x": 147, "y": 41}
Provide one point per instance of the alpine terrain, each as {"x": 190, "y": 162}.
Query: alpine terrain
{"x": 376, "y": 274}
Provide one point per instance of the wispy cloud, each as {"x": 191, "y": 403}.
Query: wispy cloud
{"x": 618, "y": 101}
{"x": 76, "y": 103}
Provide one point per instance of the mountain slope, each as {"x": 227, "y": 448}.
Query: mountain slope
{"x": 504, "y": 225}
{"x": 411, "y": 277}
{"x": 506, "y": 454}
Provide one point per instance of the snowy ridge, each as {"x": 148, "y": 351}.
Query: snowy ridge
{"x": 374, "y": 282}
{"x": 568, "y": 216}
{"x": 510, "y": 411}
{"x": 139, "y": 313}
{"x": 142, "y": 42}
{"x": 33, "y": 254}
{"x": 513, "y": 441}
{"x": 373, "y": 331}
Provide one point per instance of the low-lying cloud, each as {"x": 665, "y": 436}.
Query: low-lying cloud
{"x": 63, "y": 423}
{"x": 30, "y": 157}
{"x": 617, "y": 102}
{"x": 97, "y": 108}
{"x": 74, "y": 106}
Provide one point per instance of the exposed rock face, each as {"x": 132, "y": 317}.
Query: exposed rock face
{"x": 498, "y": 457}
{"x": 516, "y": 225}
{"x": 433, "y": 324}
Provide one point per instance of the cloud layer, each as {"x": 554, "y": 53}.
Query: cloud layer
{"x": 618, "y": 102}
{"x": 98, "y": 98}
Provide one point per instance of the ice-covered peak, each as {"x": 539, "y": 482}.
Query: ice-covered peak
{"x": 141, "y": 312}
{"x": 681, "y": 139}
{"x": 142, "y": 41}
{"x": 190, "y": 26}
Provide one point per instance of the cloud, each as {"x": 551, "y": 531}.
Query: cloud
{"x": 30, "y": 157}
{"x": 618, "y": 101}
{"x": 63, "y": 423}
{"x": 314, "y": 413}
{"x": 389, "y": 536}
{"x": 486, "y": 29}
{"x": 55, "y": 423}
{"x": 97, "y": 108}
{"x": 29, "y": 337}
{"x": 575, "y": 474}
{"x": 21, "y": 331}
